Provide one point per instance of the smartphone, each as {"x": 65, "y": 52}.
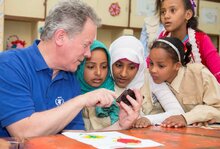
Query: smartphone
{"x": 123, "y": 98}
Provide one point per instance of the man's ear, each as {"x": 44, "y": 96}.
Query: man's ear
{"x": 189, "y": 14}
{"x": 59, "y": 36}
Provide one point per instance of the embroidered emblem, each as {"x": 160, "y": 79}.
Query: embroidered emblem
{"x": 59, "y": 101}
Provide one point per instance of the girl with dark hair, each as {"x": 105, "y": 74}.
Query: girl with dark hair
{"x": 195, "y": 87}
{"x": 129, "y": 71}
{"x": 178, "y": 18}
{"x": 94, "y": 73}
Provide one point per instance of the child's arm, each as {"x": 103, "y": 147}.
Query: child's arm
{"x": 167, "y": 100}
{"x": 210, "y": 108}
{"x": 210, "y": 56}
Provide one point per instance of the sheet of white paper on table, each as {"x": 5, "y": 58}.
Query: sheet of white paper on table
{"x": 109, "y": 140}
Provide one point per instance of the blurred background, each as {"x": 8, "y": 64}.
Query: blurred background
{"x": 22, "y": 20}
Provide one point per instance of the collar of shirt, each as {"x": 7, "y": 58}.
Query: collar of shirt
{"x": 40, "y": 63}
{"x": 178, "y": 79}
{"x": 38, "y": 59}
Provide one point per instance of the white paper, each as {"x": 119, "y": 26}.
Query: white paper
{"x": 109, "y": 140}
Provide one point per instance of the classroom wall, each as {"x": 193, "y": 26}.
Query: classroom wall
{"x": 28, "y": 29}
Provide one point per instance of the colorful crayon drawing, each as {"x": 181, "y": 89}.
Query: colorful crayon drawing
{"x": 93, "y": 137}
{"x": 110, "y": 140}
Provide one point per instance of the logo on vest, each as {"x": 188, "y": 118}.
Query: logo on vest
{"x": 59, "y": 101}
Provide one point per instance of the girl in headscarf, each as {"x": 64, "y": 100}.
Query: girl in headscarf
{"x": 94, "y": 73}
{"x": 129, "y": 70}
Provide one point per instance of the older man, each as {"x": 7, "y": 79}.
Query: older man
{"x": 39, "y": 93}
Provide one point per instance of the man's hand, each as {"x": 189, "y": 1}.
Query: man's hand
{"x": 128, "y": 114}
{"x": 176, "y": 121}
{"x": 142, "y": 123}
{"x": 100, "y": 97}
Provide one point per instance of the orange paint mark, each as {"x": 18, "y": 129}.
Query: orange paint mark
{"x": 128, "y": 141}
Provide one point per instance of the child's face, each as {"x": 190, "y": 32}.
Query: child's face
{"x": 162, "y": 68}
{"x": 96, "y": 68}
{"x": 173, "y": 15}
{"x": 124, "y": 72}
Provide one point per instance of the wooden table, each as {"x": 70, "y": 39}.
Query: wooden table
{"x": 178, "y": 138}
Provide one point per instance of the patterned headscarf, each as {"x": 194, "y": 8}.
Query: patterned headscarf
{"x": 130, "y": 48}
{"x": 108, "y": 84}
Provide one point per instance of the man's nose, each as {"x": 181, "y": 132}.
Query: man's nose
{"x": 87, "y": 54}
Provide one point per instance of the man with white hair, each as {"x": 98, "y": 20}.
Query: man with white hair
{"x": 40, "y": 94}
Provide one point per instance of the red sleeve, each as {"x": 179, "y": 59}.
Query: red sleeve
{"x": 209, "y": 54}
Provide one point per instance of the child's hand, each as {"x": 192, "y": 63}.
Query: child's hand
{"x": 176, "y": 121}
{"x": 129, "y": 114}
{"x": 142, "y": 123}
{"x": 200, "y": 124}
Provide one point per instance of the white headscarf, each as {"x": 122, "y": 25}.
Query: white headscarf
{"x": 132, "y": 49}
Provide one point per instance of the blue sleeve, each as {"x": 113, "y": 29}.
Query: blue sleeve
{"x": 16, "y": 102}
